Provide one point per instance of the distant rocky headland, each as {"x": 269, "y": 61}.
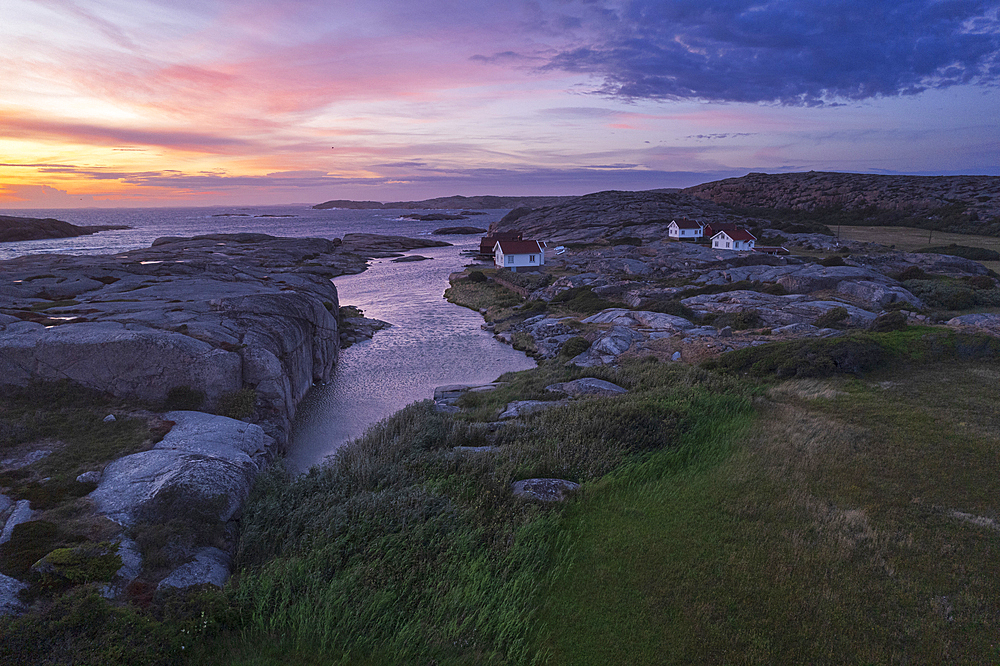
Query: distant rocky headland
{"x": 447, "y": 203}
{"x": 13, "y": 229}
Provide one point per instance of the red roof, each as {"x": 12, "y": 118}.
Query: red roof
{"x": 738, "y": 235}
{"x": 489, "y": 241}
{"x": 713, "y": 228}
{"x": 519, "y": 247}
{"x": 684, "y": 223}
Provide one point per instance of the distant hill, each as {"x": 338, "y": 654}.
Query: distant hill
{"x": 817, "y": 189}
{"x": 959, "y": 204}
{"x": 448, "y": 203}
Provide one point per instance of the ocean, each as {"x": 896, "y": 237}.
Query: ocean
{"x": 431, "y": 342}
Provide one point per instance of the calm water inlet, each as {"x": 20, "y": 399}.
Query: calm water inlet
{"x": 431, "y": 343}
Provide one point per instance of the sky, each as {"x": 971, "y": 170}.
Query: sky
{"x": 248, "y": 102}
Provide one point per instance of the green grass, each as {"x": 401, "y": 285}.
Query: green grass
{"x": 827, "y": 536}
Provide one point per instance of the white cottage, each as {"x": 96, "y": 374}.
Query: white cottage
{"x": 515, "y": 254}
{"x": 735, "y": 239}
{"x": 684, "y": 228}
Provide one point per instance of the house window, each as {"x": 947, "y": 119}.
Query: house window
{"x": 510, "y": 259}
{"x": 728, "y": 244}
{"x": 531, "y": 258}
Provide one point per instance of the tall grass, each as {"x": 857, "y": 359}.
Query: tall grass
{"x": 405, "y": 550}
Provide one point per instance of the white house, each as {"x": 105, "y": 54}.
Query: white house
{"x": 515, "y": 254}
{"x": 684, "y": 228}
{"x": 735, "y": 239}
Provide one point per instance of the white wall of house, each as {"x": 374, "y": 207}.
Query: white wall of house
{"x": 723, "y": 241}
{"x": 674, "y": 231}
{"x": 515, "y": 261}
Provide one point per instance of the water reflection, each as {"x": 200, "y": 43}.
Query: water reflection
{"x": 431, "y": 342}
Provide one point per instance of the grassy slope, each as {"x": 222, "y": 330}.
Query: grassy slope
{"x": 827, "y": 537}
{"x": 908, "y": 239}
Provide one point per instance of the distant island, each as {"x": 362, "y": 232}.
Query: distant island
{"x": 13, "y": 229}
{"x": 444, "y": 203}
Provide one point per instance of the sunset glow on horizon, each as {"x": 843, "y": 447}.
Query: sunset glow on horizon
{"x": 155, "y": 103}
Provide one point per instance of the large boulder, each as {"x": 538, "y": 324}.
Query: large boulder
{"x": 209, "y": 566}
{"x": 878, "y": 295}
{"x": 988, "y": 323}
{"x": 206, "y": 465}
{"x": 138, "y": 362}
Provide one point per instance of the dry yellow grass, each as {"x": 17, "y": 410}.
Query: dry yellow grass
{"x": 908, "y": 239}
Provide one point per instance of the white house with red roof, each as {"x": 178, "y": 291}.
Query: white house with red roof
{"x": 515, "y": 254}
{"x": 685, "y": 228}
{"x": 734, "y": 239}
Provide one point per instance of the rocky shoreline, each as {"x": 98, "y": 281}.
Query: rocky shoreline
{"x": 212, "y": 320}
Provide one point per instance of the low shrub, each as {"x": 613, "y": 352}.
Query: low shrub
{"x": 980, "y": 282}
{"x": 237, "y": 404}
{"x": 832, "y": 318}
{"x": 833, "y": 260}
{"x": 912, "y": 273}
{"x": 890, "y": 321}
{"x": 477, "y": 276}
{"x": 81, "y": 627}
{"x": 942, "y": 294}
{"x": 87, "y": 563}
{"x": 574, "y": 347}
{"x": 854, "y": 354}
{"x": 582, "y": 300}
{"x": 184, "y": 398}
{"x": 29, "y": 542}
{"x": 670, "y": 307}
{"x": 964, "y": 251}
{"x": 739, "y": 321}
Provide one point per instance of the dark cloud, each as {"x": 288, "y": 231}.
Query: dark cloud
{"x": 790, "y": 51}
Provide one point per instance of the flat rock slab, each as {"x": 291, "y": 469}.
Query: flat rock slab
{"x": 980, "y": 323}
{"x": 586, "y": 386}
{"x": 455, "y": 391}
{"x": 523, "y": 407}
{"x": 210, "y": 565}
{"x": 657, "y": 321}
{"x": 545, "y": 490}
